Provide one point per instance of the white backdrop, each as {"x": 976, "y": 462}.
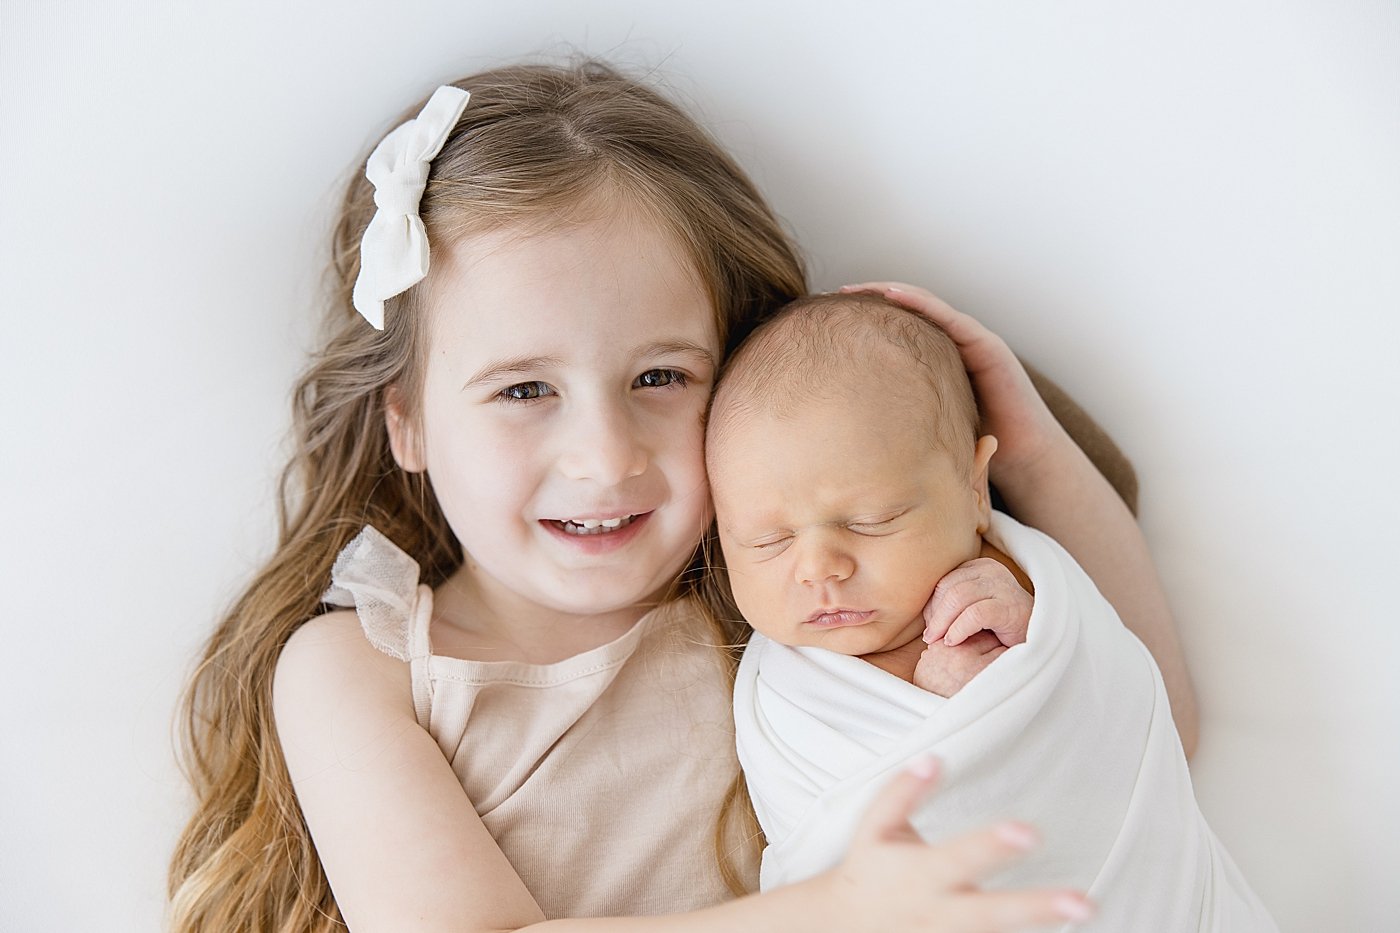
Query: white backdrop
{"x": 1186, "y": 213}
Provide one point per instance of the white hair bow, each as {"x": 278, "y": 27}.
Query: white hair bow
{"x": 394, "y": 250}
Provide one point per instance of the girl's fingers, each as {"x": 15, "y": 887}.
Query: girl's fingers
{"x": 1007, "y": 911}
{"x": 968, "y": 859}
{"x": 951, "y": 871}
{"x": 889, "y": 812}
{"x": 962, "y": 328}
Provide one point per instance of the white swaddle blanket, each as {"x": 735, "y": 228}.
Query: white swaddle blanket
{"x": 1070, "y": 731}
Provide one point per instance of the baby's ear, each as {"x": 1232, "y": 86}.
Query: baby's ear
{"x": 981, "y": 460}
{"x": 404, "y": 441}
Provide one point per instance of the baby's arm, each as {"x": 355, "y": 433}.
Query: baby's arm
{"x": 404, "y": 849}
{"x": 977, "y": 611}
{"x": 1049, "y": 483}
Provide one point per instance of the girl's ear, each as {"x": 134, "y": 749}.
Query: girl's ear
{"x": 404, "y": 441}
{"x": 981, "y": 459}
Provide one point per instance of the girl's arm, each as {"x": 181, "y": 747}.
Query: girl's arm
{"x": 404, "y": 849}
{"x": 1049, "y": 483}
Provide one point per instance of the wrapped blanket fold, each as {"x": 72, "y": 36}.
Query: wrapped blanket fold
{"x": 1070, "y": 731}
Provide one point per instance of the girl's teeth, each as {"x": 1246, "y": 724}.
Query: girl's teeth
{"x": 595, "y": 526}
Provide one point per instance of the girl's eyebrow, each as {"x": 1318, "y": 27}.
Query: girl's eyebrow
{"x": 525, "y": 365}
{"x": 685, "y": 347}
{"x": 515, "y": 366}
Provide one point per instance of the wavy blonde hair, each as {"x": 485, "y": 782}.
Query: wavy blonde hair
{"x": 536, "y": 145}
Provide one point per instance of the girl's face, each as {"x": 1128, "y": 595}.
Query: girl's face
{"x": 567, "y": 376}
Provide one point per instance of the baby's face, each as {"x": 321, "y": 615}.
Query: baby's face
{"x": 837, "y": 521}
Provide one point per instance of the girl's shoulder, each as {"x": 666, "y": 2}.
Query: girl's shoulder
{"x": 379, "y": 581}
{"x": 328, "y": 663}
{"x": 354, "y": 655}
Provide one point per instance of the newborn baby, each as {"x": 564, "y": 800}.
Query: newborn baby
{"x": 850, "y": 486}
{"x": 850, "y": 479}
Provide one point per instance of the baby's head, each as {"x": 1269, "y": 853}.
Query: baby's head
{"x": 847, "y": 472}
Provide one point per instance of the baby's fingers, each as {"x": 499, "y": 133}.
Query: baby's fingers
{"x": 960, "y": 588}
{"x": 1007, "y": 911}
{"x": 978, "y": 617}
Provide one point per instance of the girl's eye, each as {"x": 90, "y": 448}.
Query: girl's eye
{"x": 775, "y": 544}
{"x": 659, "y": 378}
{"x": 526, "y": 391}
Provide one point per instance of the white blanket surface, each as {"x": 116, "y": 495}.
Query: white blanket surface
{"x": 1070, "y": 731}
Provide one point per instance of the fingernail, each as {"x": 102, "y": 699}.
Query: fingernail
{"x": 924, "y": 767}
{"x": 1017, "y": 834}
{"x": 1072, "y": 908}
{"x": 846, "y": 288}
{"x": 897, "y": 291}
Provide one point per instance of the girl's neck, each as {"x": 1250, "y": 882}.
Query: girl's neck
{"x": 477, "y": 619}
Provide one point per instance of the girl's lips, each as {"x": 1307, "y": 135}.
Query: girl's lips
{"x": 835, "y": 618}
{"x": 601, "y": 541}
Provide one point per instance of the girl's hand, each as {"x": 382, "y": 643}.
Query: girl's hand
{"x": 891, "y": 880}
{"x": 1012, "y": 410}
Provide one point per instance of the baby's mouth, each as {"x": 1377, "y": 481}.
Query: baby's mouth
{"x": 838, "y": 617}
{"x": 591, "y": 526}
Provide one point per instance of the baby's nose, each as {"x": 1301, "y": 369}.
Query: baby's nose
{"x": 822, "y": 561}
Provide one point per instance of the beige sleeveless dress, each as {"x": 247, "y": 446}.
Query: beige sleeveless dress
{"x": 601, "y": 777}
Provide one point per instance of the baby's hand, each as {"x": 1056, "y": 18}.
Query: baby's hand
{"x": 975, "y": 613}
{"x": 980, "y": 595}
{"x": 945, "y": 669}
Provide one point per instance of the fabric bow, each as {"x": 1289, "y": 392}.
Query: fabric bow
{"x": 394, "y": 250}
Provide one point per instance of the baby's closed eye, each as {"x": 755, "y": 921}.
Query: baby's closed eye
{"x": 879, "y": 524}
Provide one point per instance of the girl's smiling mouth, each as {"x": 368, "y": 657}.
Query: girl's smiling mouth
{"x": 597, "y": 535}
{"x": 594, "y": 526}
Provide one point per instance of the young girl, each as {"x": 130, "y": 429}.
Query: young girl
{"x": 524, "y": 715}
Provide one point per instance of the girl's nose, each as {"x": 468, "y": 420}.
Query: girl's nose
{"x": 823, "y": 560}
{"x": 605, "y": 446}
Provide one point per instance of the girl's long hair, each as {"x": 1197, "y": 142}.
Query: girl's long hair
{"x": 536, "y": 146}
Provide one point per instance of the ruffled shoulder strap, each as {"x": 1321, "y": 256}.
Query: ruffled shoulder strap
{"x": 380, "y": 581}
